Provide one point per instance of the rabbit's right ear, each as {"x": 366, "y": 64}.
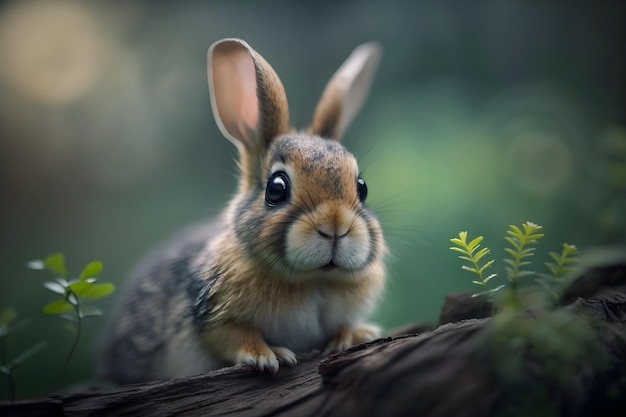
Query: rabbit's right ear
{"x": 248, "y": 100}
{"x": 346, "y": 92}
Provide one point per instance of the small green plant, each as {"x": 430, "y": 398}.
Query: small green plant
{"x": 467, "y": 251}
{"x": 9, "y": 323}
{"x": 562, "y": 267}
{"x": 522, "y": 241}
{"x": 73, "y": 295}
{"x": 563, "y": 262}
{"x": 557, "y": 338}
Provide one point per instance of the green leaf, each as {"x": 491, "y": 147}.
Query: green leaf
{"x": 534, "y": 238}
{"x": 485, "y": 266}
{"x": 63, "y": 282}
{"x": 510, "y": 262}
{"x": 552, "y": 268}
{"x": 68, "y": 317}
{"x": 55, "y": 287}
{"x": 569, "y": 249}
{"x": 498, "y": 288}
{"x": 91, "y": 270}
{"x": 469, "y": 268}
{"x": 72, "y": 298}
{"x": 96, "y": 291}
{"x": 36, "y": 264}
{"x": 58, "y": 307}
{"x": 4, "y": 370}
{"x": 531, "y": 226}
{"x": 80, "y": 287}
{"x": 490, "y": 277}
{"x": 480, "y": 254}
{"x": 7, "y": 316}
{"x": 458, "y": 242}
{"x": 515, "y": 243}
{"x": 459, "y": 250}
{"x": 515, "y": 231}
{"x": 56, "y": 264}
{"x": 488, "y": 292}
{"x": 26, "y": 354}
{"x": 474, "y": 243}
{"x": 91, "y": 312}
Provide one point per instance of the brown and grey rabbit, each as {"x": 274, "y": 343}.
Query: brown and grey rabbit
{"x": 294, "y": 263}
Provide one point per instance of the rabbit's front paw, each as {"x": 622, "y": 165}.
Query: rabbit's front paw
{"x": 348, "y": 337}
{"x": 265, "y": 358}
{"x": 284, "y": 355}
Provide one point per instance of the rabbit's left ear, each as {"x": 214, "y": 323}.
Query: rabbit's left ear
{"x": 248, "y": 99}
{"x": 346, "y": 92}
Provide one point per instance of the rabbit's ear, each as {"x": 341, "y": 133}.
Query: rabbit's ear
{"x": 346, "y": 92}
{"x": 247, "y": 97}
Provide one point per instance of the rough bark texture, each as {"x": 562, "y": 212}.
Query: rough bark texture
{"x": 443, "y": 372}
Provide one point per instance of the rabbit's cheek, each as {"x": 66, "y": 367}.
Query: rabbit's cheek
{"x": 352, "y": 251}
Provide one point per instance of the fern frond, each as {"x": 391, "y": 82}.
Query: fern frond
{"x": 563, "y": 262}
{"x": 520, "y": 240}
{"x": 472, "y": 255}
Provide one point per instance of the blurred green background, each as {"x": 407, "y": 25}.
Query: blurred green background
{"x": 483, "y": 114}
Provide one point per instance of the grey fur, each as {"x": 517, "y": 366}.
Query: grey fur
{"x": 162, "y": 296}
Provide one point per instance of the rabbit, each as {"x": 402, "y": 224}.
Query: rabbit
{"x": 295, "y": 263}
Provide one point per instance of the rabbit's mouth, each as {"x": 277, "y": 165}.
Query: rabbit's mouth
{"x": 329, "y": 266}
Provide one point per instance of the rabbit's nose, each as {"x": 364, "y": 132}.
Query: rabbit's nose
{"x": 330, "y": 232}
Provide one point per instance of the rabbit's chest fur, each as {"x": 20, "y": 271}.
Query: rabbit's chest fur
{"x": 304, "y": 325}
{"x": 299, "y": 316}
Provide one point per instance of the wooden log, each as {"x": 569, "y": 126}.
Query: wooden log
{"x": 445, "y": 372}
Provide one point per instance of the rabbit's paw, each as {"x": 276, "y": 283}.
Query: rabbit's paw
{"x": 284, "y": 355}
{"x": 348, "y": 337}
{"x": 264, "y": 358}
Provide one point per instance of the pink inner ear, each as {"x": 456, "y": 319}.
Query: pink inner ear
{"x": 234, "y": 83}
{"x": 249, "y": 106}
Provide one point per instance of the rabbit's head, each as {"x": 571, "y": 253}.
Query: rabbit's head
{"x": 300, "y": 210}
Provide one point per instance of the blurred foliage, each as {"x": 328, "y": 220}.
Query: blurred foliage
{"x": 9, "y": 323}
{"x": 481, "y": 112}
{"x": 562, "y": 343}
{"x": 71, "y": 307}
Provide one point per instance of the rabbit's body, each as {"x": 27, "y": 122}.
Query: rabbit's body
{"x": 293, "y": 264}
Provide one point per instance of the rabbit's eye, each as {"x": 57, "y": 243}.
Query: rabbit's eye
{"x": 361, "y": 188}
{"x": 277, "y": 189}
